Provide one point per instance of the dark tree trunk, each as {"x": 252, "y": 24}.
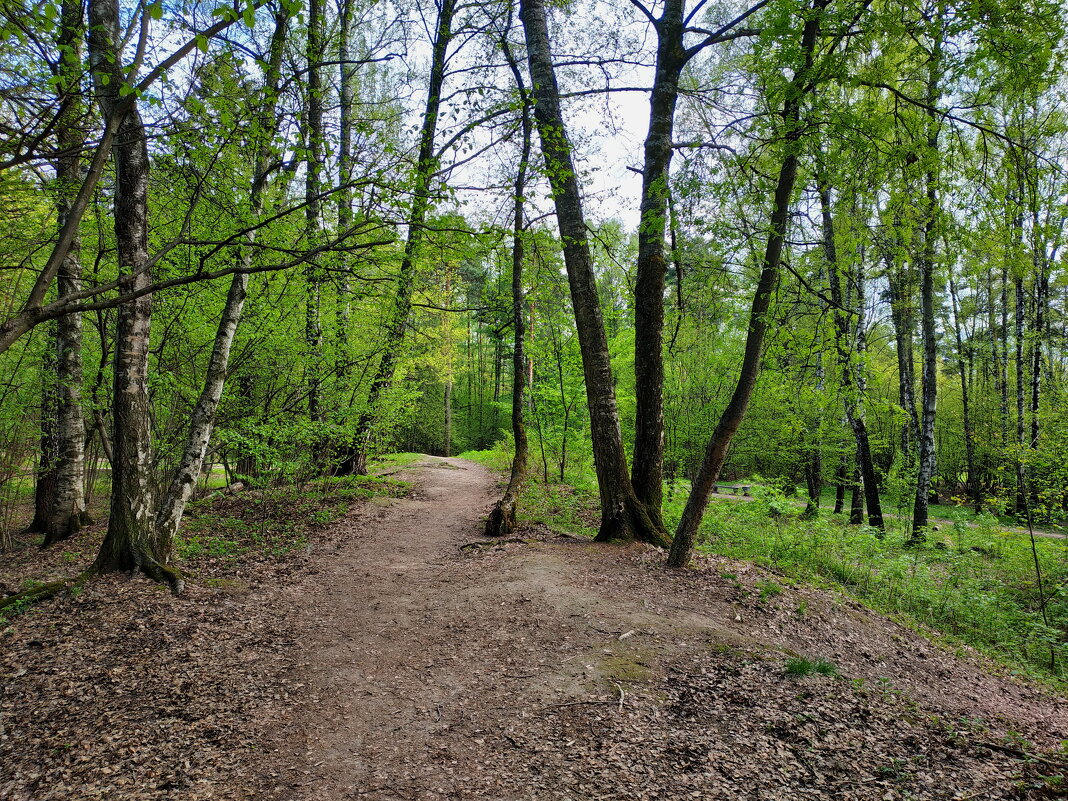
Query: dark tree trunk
{"x": 130, "y": 542}
{"x": 345, "y": 168}
{"x": 501, "y": 522}
{"x": 856, "y": 497}
{"x": 841, "y": 480}
{"x": 852, "y": 376}
{"x": 732, "y": 416}
{"x": 356, "y": 462}
{"x": 313, "y": 182}
{"x": 647, "y": 471}
{"x": 67, "y": 513}
{"x": 623, "y": 516}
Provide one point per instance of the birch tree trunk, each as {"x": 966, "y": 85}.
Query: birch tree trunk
{"x": 734, "y": 413}
{"x": 965, "y": 394}
{"x": 130, "y": 542}
{"x": 67, "y": 511}
{"x": 202, "y": 421}
{"x": 623, "y": 516}
{"x": 925, "y": 260}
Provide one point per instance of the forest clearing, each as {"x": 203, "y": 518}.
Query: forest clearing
{"x": 583, "y": 399}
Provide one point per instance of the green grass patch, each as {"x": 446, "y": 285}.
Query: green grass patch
{"x": 800, "y": 666}
{"x": 976, "y": 584}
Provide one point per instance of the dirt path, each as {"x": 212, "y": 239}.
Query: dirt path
{"x": 374, "y": 657}
{"x": 555, "y": 669}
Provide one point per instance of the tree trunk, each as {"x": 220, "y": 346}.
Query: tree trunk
{"x": 731, "y": 419}
{"x": 67, "y": 513}
{"x": 203, "y": 418}
{"x": 901, "y": 315}
{"x": 346, "y": 106}
{"x": 130, "y": 540}
{"x": 44, "y": 488}
{"x": 356, "y": 462}
{"x": 926, "y": 267}
{"x": 623, "y": 516}
{"x": 852, "y": 375}
{"x": 313, "y": 182}
{"x": 501, "y": 521}
{"x": 965, "y": 394}
{"x": 647, "y": 470}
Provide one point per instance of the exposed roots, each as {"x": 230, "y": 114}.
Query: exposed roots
{"x": 43, "y": 592}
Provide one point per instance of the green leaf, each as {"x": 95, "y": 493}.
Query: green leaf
{"x": 202, "y": 43}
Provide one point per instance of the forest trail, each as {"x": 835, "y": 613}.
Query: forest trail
{"x": 552, "y": 668}
{"x": 376, "y": 657}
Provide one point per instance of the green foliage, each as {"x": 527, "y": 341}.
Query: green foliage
{"x": 977, "y": 586}
{"x": 275, "y": 520}
{"x": 800, "y": 666}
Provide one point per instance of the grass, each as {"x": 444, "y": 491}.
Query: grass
{"x": 275, "y": 520}
{"x": 801, "y": 666}
{"x": 975, "y": 583}
{"x": 972, "y": 584}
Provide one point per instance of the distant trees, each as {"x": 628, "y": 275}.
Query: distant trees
{"x": 305, "y": 235}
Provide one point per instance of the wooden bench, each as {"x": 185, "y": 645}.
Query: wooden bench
{"x": 736, "y": 489}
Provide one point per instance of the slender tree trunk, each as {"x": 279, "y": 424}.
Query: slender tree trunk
{"x": 965, "y": 394}
{"x": 841, "y": 479}
{"x": 856, "y": 497}
{"x": 67, "y": 513}
{"x": 852, "y": 375}
{"x": 313, "y": 183}
{"x": 647, "y": 470}
{"x": 814, "y": 463}
{"x": 926, "y": 268}
{"x": 901, "y": 315}
{"x": 425, "y": 167}
{"x": 202, "y": 420}
{"x": 345, "y": 167}
{"x": 1038, "y": 341}
{"x": 731, "y": 419}
{"x": 130, "y": 541}
{"x": 623, "y": 516}
{"x": 501, "y": 521}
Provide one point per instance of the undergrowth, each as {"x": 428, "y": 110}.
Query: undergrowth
{"x": 973, "y": 583}
{"x": 274, "y": 520}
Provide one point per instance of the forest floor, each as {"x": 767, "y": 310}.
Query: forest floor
{"x": 401, "y": 655}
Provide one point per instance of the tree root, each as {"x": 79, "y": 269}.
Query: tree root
{"x": 43, "y": 592}
{"x": 478, "y": 546}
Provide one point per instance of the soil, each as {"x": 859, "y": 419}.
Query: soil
{"x": 401, "y": 655}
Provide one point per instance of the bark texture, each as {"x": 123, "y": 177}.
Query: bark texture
{"x": 130, "y": 542}
{"x": 501, "y": 521}
{"x": 623, "y": 516}
{"x": 67, "y": 512}
{"x": 647, "y": 470}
